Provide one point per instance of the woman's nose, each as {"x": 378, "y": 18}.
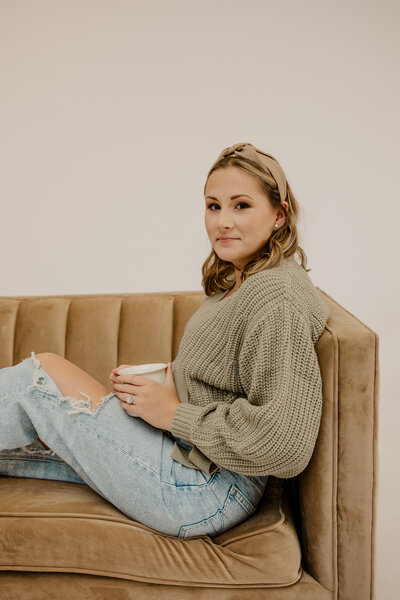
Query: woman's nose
{"x": 225, "y": 219}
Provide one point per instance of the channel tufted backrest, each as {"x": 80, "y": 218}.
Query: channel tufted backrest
{"x": 96, "y": 332}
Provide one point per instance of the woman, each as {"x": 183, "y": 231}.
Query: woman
{"x": 241, "y": 401}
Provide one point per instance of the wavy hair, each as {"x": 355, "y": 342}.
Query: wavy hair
{"x": 218, "y": 275}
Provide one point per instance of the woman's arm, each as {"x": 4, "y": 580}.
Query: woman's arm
{"x": 273, "y": 427}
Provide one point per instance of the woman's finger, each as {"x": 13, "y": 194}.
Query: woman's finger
{"x": 115, "y": 376}
{"x": 128, "y": 388}
{"x": 115, "y": 371}
{"x": 132, "y": 379}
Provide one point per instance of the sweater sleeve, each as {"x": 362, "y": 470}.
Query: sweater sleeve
{"x": 273, "y": 427}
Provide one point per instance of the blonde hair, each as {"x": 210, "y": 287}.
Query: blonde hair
{"x": 219, "y": 275}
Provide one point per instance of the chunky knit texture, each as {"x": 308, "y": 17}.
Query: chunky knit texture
{"x": 248, "y": 377}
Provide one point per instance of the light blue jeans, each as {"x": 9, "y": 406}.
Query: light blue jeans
{"x": 126, "y": 460}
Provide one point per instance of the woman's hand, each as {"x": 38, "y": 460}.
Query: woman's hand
{"x": 153, "y": 401}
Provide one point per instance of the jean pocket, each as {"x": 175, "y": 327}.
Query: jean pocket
{"x": 236, "y": 508}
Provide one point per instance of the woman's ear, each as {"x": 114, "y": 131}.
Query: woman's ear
{"x": 280, "y": 215}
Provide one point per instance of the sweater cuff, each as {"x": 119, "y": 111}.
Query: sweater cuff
{"x": 183, "y": 419}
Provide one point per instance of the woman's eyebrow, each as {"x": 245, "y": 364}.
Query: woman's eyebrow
{"x": 232, "y": 197}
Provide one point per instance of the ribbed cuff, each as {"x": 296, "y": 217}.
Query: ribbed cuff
{"x": 182, "y": 422}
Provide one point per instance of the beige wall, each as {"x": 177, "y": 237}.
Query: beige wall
{"x": 112, "y": 112}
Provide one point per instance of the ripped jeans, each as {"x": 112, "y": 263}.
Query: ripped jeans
{"x": 126, "y": 460}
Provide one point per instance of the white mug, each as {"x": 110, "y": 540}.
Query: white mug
{"x": 155, "y": 371}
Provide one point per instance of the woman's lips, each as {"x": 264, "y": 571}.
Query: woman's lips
{"x": 227, "y": 239}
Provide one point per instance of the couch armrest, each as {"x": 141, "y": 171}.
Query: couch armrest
{"x": 336, "y": 495}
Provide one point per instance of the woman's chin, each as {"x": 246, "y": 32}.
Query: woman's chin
{"x": 226, "y": 256}
{"x": 232, "y": 259}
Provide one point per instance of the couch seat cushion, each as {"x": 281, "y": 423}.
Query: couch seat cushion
{"x": 58, "y": 526}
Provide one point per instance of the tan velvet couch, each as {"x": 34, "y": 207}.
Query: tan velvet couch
{"x": 313, "y": 536}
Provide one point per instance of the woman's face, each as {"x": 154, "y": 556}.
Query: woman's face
{"x": 238, "y": 209}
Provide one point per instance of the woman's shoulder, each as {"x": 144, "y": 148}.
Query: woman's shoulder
{"x": 287, "y": 283}
{"x": 287, "y": 279}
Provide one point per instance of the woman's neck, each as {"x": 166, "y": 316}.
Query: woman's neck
{"x": 238, "y": 273}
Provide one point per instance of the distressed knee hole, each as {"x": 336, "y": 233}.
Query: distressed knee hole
{"x": 79, "y": 405}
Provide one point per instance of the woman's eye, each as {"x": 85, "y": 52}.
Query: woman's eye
{"x": 214, "y": 204}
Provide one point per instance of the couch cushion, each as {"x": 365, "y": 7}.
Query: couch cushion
{"x": 58, "y": 526}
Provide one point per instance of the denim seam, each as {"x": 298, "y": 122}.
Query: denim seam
{"x": 132, "y": 458}
{"x": 201, "y": 522}
{"x": 220, "y": 511}
{"x": 191, "y": 485}
{"x": 38, "y": 459}
{"x": 112, "y": 443}
{"x": 242, "y": 499}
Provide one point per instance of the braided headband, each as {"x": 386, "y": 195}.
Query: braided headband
{"x": 265, "y": 161}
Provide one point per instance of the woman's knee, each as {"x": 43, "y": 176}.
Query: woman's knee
{"x": 47, "y": 356}
{"x": 74, "y": 382}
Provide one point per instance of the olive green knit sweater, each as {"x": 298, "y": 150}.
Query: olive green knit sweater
{"x": 248, "y": 377}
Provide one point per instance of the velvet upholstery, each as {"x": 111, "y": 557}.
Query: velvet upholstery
{"x": 313, "y": 536}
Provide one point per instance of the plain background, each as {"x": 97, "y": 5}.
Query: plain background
{"x": 113, "y": 111}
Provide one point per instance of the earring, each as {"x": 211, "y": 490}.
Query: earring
{"x": 276, "y": 225}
